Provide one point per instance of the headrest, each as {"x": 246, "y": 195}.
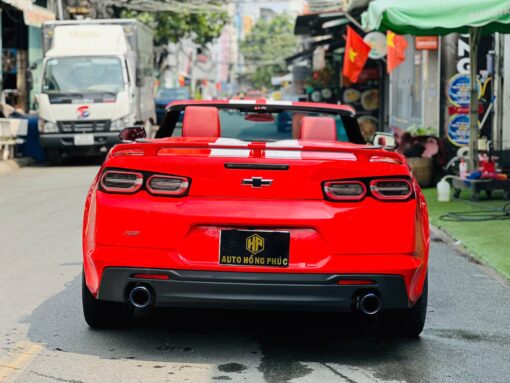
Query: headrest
{"x": 201, "y": 121}
{"x": 318, "y": 128}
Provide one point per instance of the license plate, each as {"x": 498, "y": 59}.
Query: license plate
{"x": 254, "y": 248}
{"x": 84, "y": 139}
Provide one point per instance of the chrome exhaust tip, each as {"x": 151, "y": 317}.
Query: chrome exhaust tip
{"x": 369, "y": 304}
{"x": 140, "y": 297}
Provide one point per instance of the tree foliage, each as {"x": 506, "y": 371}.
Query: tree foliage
{"x": 266, "y": 46}
{"x": 202, "y": 28}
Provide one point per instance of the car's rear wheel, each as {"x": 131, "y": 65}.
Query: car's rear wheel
{"x": 103, "y": 314}
{"x": 408, "y": 322}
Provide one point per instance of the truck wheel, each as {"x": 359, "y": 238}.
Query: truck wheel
{"x": 103, "y": 314}
{"x": 53, "y": 156}
{"x": 408, "y": 322}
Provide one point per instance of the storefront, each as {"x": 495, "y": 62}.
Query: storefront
{"x": 323, "y": 53}
{"x": 21, "y": 47}
{"x": 414, "y": 86}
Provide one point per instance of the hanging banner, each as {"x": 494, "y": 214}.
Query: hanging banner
{"x": 36, "y": 16}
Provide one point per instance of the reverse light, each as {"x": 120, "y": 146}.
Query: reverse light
{"x": 167, "y": 185}
{"x": 344, "y": 190}
{"x": 116, "y": 181}
{"x": 391, "y": 189}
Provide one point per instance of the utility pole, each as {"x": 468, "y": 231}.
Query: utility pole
{"x": 60, "y": 10}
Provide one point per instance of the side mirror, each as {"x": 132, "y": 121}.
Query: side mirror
{"x": 386, "y": 140}
{"x": 132, "y": 134}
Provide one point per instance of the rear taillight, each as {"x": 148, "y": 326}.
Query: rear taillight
{"x": 167, "y": 185}
{"x": 344, "y": 190}
{"x": 391, "y": 189}
{"x": 116, "y": 181}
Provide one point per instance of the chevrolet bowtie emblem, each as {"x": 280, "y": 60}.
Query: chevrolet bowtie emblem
{"x": 256, "y": 182}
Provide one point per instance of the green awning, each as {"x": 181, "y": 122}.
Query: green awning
{"x": 437, "y": 17}
{"x": 441, "y": 17}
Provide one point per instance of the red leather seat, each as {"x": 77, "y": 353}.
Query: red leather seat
{"x": 201, "y": 121}
{"x": 318, "y": 128}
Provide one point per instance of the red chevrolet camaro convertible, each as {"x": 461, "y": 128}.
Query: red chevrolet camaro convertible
{"x": 256, "y": 204}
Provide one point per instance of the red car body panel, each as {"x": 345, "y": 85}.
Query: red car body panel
{"x": 142, "y": 230}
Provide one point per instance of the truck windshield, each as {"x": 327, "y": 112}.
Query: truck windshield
{"x": 83, "y": 75}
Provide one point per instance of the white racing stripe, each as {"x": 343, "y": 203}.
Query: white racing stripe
{"x": 284, "y": 144}
{"x": 285, "y": 154}
{"x": 244, "y": 153}
{"x": 225, "y": 141}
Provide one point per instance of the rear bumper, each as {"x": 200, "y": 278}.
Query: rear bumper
{"x": 65, "y": 142}
{"x": 311, "y": 292}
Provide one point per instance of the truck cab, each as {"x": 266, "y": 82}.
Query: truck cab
{"x": 97, "y": 80}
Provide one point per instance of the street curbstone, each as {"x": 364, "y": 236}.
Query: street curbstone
{"x": 441, "y": 235}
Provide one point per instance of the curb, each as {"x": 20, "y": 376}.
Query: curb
{"x": 462, "y": 251}
{"x": 8, "y": 166}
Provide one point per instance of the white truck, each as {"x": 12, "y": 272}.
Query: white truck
{"x": 97, "y": 80}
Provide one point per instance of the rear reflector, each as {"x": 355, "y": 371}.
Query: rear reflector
{"x": 391, "y": 189}
{"x": 116, "y": 181}
{"x": 344, "y": 190}
{"x": 350, "y": 282}
{"x": 151, "y": 276}
{"x": 168, "y": 185}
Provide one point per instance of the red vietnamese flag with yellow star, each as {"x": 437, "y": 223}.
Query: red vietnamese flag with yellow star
{"x": 356, "y": 55}
{"x": 396, "y": 50}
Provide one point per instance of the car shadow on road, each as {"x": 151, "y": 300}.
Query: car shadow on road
{"x": 282, "y": 342}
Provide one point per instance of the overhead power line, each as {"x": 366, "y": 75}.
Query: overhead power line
{"x": 190, "y": 6}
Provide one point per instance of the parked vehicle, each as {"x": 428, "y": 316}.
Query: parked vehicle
{"x": 165, "y": 96}
{"x": 232, "y": 213}
{"x": 97, "y": 80}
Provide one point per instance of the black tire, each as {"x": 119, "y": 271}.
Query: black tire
{"x": 103, "y": 314}
{"x": 53, "y": 157}
{"x": 409, "y": 322}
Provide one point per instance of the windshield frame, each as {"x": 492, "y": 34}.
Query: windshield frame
{"x": 121, "y": 60}
{"x": 346, "y": 113}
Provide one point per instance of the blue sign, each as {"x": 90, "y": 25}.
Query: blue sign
{"x": 459, "y": 88}
{"x": 458, "y": 129}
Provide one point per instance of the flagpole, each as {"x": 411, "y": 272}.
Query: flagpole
{"x": 355, "y": 22}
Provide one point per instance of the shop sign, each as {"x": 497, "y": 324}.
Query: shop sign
{"x": 20, "y": 4}
{"x": 458, "y": 90}
{"x": 36, "y": 16}
{"x": 378, "y": 43}
{"x": 452, "y": 109}
{"x": 458, "y": 129}
{"x": 426, "y": 43}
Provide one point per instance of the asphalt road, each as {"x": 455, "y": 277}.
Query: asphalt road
{"x": 43, "y": 337}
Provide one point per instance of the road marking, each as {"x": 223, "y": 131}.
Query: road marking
{"x": 23, "y": 352}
